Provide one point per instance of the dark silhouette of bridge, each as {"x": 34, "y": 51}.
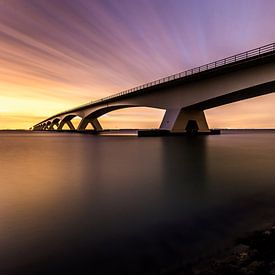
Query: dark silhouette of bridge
{"x": 184, "y": 95}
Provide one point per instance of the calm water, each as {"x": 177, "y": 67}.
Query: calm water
{"x": 79, "y": 204}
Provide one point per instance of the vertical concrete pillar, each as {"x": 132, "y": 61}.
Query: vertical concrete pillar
{"x": 86, "y": 120}
{"x": 54, "y": 123}
{"x": 97, "y": 126}
{"x": 182, "y": 120}
{"x": 70, "y": 124}
{"x": 47, "y": 125}
{"x": 83, "y": 124}
{"x": 36, "y": 128}
{"x": 63, "y": 122}
{"x": 169, "y": 119}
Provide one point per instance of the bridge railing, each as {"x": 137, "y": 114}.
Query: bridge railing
{"x": 219, "y": 63}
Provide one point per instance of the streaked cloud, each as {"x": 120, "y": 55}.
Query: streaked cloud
{"x": 57, "y": 54}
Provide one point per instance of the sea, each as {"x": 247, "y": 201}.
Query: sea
{"x": 84, "y": 204}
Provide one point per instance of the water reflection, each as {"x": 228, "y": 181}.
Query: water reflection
{"x": 80, "y": 204}
{"x": 184, "y": 162}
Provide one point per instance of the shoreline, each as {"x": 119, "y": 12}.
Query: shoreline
{"x": 252, "y": 253}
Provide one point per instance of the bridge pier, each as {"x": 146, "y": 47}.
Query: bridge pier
{"x": 184, "y": 120}
{"x": 97, "y": 126}
{"x": 85, "y": 121}
{"x": 38, "y": 128}
{"x": 54, "y": 123}
{"x": 63, "y": 122}
{"x": 47, "y": 126}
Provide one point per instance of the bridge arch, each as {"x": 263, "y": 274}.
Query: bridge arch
{"x": 92, "y": 117}
{"x": 54, "y": 124}
{"x": 68, "y": 121}
{"x": 47, "y": 125}
{"x": 138, "y": 117}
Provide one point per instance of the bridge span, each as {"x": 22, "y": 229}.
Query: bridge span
{"x": 185, "y": 95}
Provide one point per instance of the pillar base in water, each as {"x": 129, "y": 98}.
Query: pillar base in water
{"x": 162, "y": 133}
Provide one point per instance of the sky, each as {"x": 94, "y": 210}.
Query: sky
{"x": 58, "y": 54}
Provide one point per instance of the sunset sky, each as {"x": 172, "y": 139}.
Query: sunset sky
{"x": 57, "y": 54}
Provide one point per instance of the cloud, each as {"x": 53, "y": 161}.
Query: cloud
{"x": 77, "y": 51}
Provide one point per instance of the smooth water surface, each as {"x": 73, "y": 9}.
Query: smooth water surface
{"x": 81, "y": 204}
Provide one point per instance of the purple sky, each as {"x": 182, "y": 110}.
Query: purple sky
{"x": 56, "y": 54}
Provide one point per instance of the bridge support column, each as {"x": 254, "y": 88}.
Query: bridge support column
{"x": 47, "y": 125}
{"x": 63, "y": 122}
{"x": 52, "y": 126}
{"x": 38, "y": 128}
{"x": 70, "y": 124}
{"x": 97, "y": 126}
{"x": 184, "y": 120}
{"x": 85, "y": 121}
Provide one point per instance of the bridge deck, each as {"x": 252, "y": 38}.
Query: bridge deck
{"x": 219, "y": 65}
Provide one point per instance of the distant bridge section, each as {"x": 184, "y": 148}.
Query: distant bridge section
{"x": 185, "y": 95}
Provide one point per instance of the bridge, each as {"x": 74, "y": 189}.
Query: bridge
{"x": 184, "y": 95}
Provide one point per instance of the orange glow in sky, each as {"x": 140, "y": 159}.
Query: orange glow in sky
{"x": 55, "y": 55}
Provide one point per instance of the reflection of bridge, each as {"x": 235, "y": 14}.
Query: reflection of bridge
{"x": 185, "y": 95}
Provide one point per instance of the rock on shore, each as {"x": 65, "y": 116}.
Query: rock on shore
{"x": 254, "y": 254}
{"x": 251, "y": 255}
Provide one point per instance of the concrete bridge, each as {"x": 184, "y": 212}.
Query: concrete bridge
{"x": 185, "y": 95}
